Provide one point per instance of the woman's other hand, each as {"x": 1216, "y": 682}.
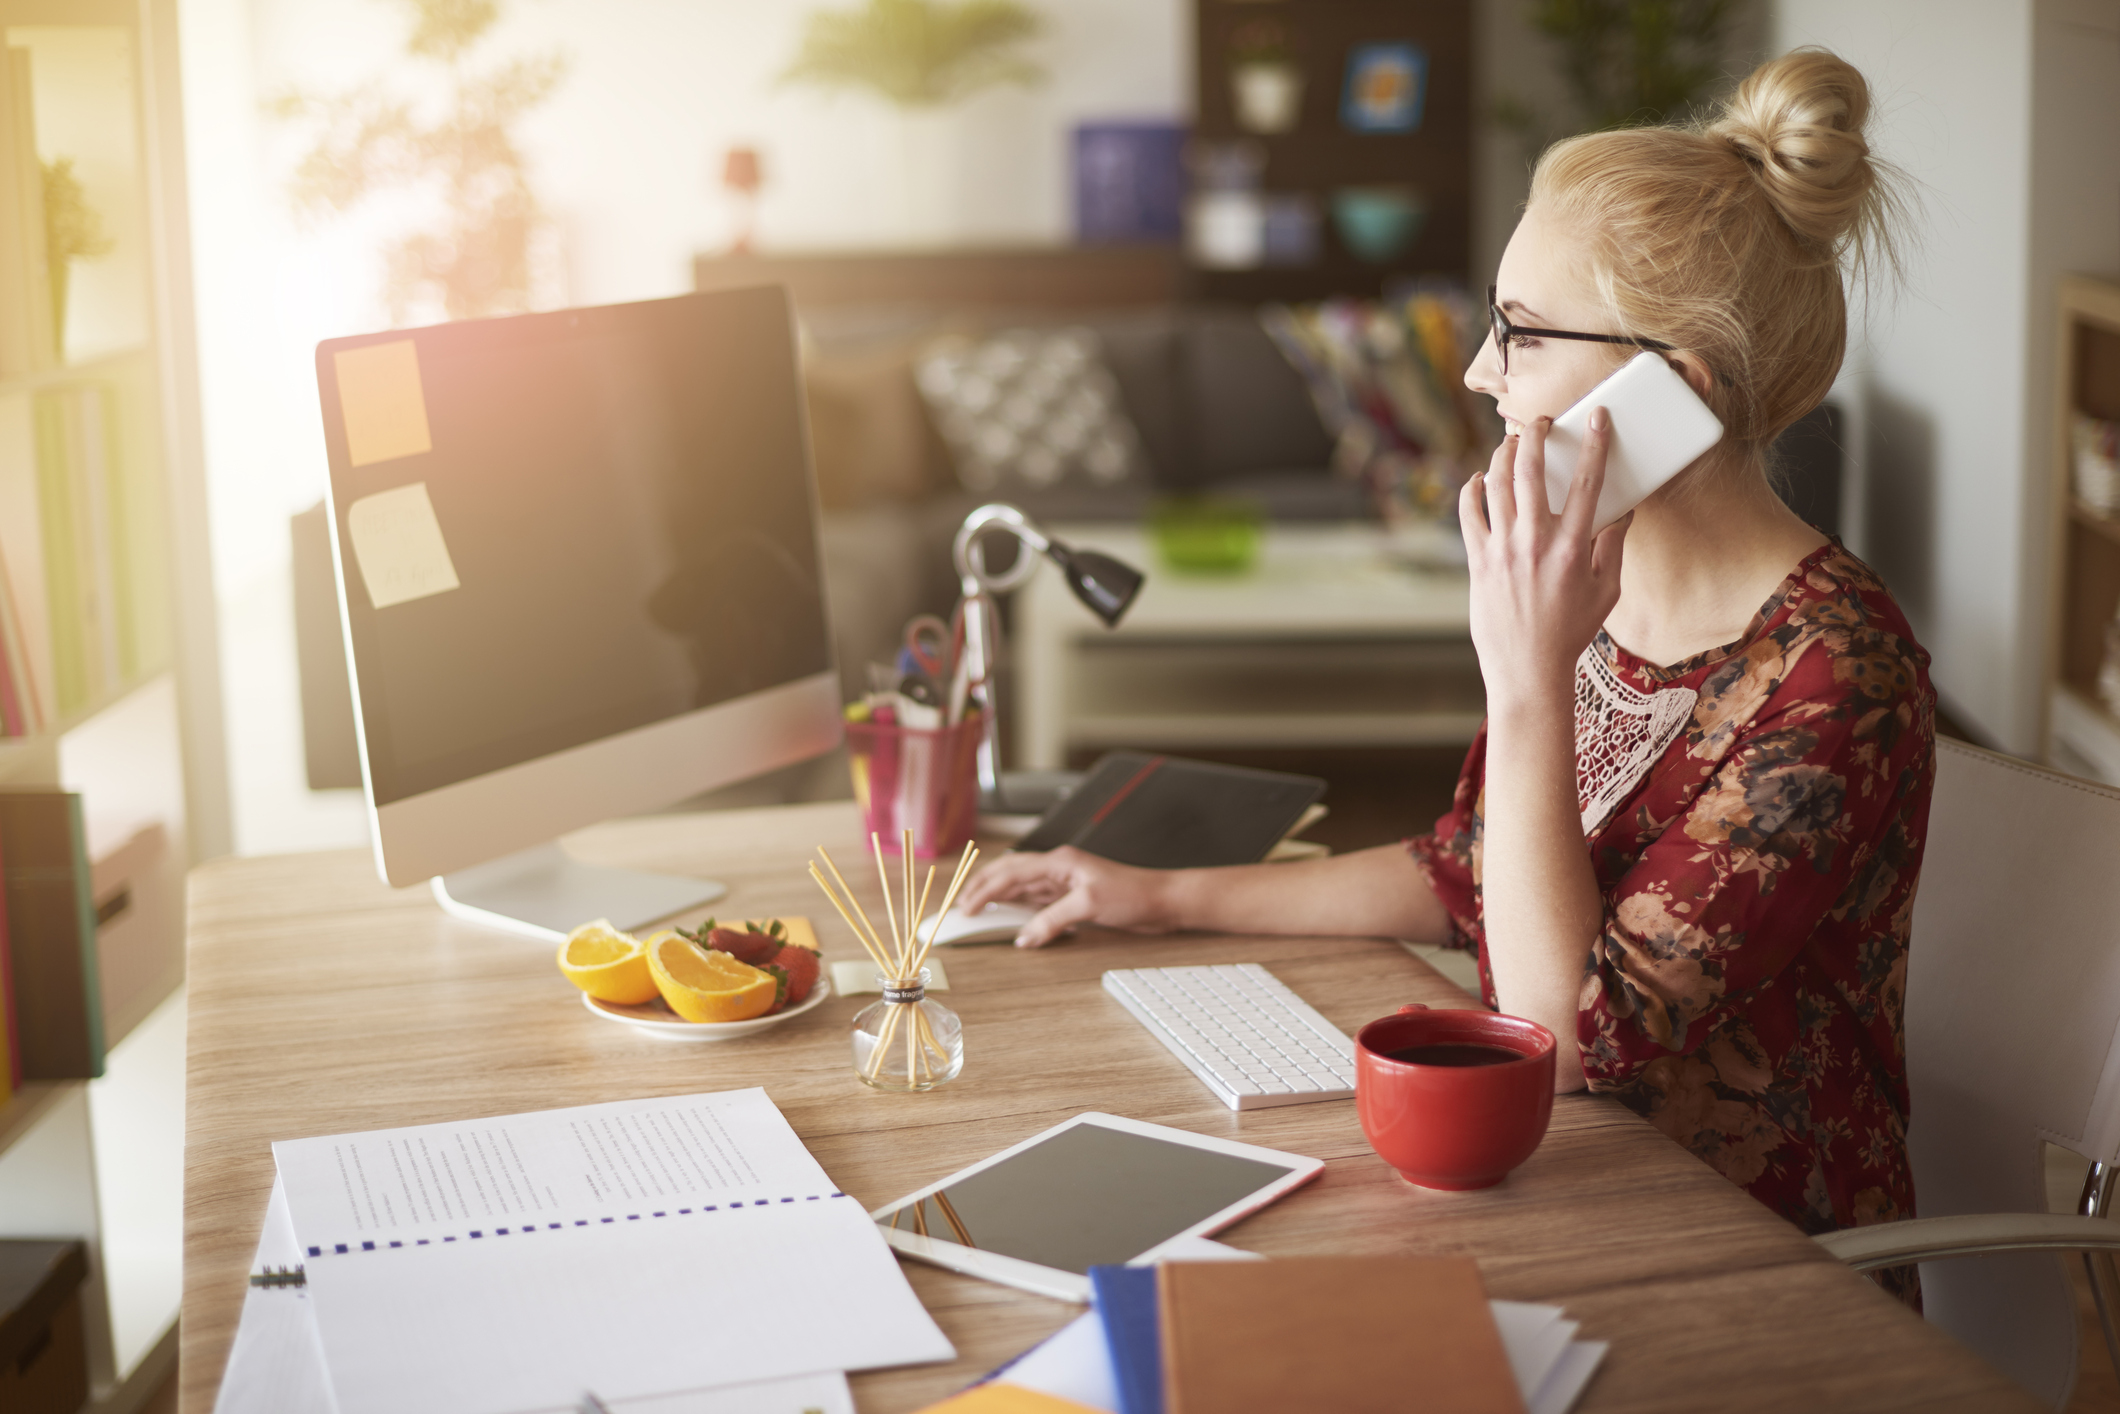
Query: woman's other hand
{"x": 1069, "y": 887}
{"x": 1542, "y": 584}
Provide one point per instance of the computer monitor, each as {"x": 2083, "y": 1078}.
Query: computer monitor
{"x": 578, "y": 571}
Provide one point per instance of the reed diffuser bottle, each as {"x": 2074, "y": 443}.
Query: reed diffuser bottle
{"x": 906, "y": 1042}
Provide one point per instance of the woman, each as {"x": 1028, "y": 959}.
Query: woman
{"x": 1711, "y": 915}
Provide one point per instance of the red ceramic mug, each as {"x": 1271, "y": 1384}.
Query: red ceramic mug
{"x": 1459, "y": 1125}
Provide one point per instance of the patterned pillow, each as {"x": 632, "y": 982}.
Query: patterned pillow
{"x": 1035, "y": 408}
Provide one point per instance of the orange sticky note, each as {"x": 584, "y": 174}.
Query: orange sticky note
{"x": 381, "y": 403}
{"x": 1001, "y": 1397}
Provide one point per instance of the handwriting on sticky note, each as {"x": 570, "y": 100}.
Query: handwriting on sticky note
{"x": 380, "y": 402}
{"x": 398, "y": 544}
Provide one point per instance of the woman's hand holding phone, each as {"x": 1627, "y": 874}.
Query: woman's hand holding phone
{"x": 1542, "y": 584}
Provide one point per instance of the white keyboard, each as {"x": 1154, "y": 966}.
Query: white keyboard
{"x": 1252, "y": 1040}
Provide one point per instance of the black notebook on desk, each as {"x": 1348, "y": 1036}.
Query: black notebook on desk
{"x": 1164, "y": 812}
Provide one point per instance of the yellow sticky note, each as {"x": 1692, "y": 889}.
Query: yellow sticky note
{"x": 398, "y": 545}
{"x": 1001, "y": 1397}
{"x": 858, "y": 975}
{"x": 381, "y": 403}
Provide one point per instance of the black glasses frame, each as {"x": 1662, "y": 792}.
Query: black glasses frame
{"x": 1504, "y": 331}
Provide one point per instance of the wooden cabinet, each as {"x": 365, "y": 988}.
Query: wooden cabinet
{"x": 2083, "y": 733}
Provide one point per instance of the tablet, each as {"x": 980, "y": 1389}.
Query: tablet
{"x": 1097, "y": 1190}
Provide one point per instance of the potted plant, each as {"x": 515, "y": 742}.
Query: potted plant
{"x": 921, "y": 57}
{"x": 1265, "y": 82}
{"x": 73, "y": 230}
{"x": 474, "y": 256}
{"x": 1625, "y": 61}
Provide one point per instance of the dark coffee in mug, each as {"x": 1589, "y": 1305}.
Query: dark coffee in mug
{"x": 1454, "y": 1054}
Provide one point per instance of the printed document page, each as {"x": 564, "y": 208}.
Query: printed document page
{"x": 634, "y": 1249}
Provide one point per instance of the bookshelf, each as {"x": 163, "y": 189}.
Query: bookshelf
{"x": 1320, "y": 153}
{"x": 108, "y": 671}
{"x": 2083, "y": 735}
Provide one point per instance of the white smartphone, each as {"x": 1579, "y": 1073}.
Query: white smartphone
{"x": 1659, "y": 425}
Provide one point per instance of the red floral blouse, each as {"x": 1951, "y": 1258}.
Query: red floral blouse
{"x": 1746, "y": 993}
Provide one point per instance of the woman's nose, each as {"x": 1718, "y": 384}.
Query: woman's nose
{"x": 1485, "y": 373}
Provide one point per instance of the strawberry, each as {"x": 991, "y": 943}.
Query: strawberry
{"x": 746, "y": 945}
{"x": 798, "y": 966}
{"x": 780, "y": 987}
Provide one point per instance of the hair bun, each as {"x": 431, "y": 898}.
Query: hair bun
{"x": 1797, "y": 121}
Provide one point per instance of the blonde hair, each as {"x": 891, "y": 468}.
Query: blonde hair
{"x": 1729, "y": 239}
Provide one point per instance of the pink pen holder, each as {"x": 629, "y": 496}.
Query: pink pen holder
{"x": 923, "y": 781}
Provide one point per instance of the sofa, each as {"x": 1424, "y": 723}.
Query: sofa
{"x": 1216, "y": 406}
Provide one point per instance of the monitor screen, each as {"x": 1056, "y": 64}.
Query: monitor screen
{"x": 557, "y": 528}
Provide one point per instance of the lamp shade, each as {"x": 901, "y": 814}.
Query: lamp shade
{"x": 1103, "y": 583}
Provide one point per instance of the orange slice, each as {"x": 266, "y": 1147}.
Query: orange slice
{"x": 607, "y": 964}
{"x": 707, "y": 985}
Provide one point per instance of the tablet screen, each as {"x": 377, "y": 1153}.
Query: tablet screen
{"x": 1084, "y": 1197}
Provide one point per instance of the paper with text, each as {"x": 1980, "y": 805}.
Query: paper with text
{"x": 637, "y": 1249}
{"x": 398, "y": 544}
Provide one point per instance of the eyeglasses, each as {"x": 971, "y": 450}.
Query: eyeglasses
{"x": 1504, "y": 331}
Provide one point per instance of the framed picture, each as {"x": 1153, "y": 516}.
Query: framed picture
{"x": 1386, "y": 86}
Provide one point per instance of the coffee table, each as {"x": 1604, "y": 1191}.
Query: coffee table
{"x": 1332, "y": 639}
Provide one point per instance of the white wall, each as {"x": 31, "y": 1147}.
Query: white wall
{"x": 2007, "y": 115}
{"x": 626, "y": 157}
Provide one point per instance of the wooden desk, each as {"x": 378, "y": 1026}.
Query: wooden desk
{"x": 323, "y": 1002}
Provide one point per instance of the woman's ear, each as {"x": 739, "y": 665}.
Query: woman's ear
{"x": 1698, "y": 376}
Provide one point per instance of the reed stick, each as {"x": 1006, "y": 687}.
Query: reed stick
{"x": 883, "y": 876}
{"x": 957, "y": 876}
{"x": 964, "y": 870}
{"x": 925, "y": 889}
{"x": 905, "y": 864}
{"x": 884, "y": 1039}
{"x": 874, "y": 956}
{"x": 848, "y": 890}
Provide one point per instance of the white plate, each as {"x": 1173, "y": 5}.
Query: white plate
{"x": 657, "y": 1020}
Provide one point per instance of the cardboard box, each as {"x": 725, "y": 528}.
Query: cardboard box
{"x": 43, "y": 1346}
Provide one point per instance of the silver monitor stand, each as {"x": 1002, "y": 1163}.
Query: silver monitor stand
{"x": 544, "y": 894}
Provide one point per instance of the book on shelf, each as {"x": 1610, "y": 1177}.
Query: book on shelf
{"x": 21, "y": 705}
{"x": 82, "y": 509}
{"x": 10, "y": 1039}
{"x": 45, "y": 890}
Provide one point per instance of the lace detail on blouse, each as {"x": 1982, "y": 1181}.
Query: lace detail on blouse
{"x": 1619, "y": 734}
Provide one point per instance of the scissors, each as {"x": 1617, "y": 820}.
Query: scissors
{"x": 934, "y": 645}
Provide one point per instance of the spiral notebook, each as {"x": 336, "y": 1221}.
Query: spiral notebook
{"x": 276, "y": 1365}
{"x": 637, "y": 1249}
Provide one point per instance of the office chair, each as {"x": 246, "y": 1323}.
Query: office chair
{"x": 2012, "y": 1018}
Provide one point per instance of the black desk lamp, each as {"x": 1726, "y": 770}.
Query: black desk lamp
{"x": 1104, "y": 584}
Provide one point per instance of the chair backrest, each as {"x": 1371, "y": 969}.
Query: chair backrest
{"x": 2012, "y": 1006}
